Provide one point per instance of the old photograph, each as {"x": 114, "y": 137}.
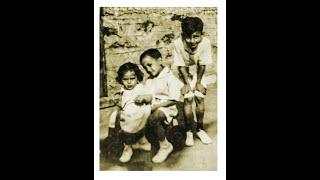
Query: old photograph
{"x": 158, "y": 88}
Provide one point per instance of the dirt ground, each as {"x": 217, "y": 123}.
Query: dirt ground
{"x": 199, "y": 157}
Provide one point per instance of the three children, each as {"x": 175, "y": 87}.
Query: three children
{"x": 153, "y": 105}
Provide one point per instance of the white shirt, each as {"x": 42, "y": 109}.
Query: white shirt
{"x": 165, "y": 87}
{"x": 130, "y": 95}
{"x": 134, "y": 117}
{"x": 184, "y": 56}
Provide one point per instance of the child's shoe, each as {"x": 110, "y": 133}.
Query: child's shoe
{"x": 189, "y": 139}
{"x": 165, "y": 149}
{"x": 204, "y": 137}
{"x": 126, "y": 154}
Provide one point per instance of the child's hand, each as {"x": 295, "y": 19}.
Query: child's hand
{"x": 185, "y": 89}
{"x": 143, "y": 99}
{"x": 147, "y": 98}
{"x": 117, "y": 99}
{"x": 139, "y": 100}
{"x": 200, "y": 88}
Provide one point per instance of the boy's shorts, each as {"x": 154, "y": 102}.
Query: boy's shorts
{"x": 170, "y": 112}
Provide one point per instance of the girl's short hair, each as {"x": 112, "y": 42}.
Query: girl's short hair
{"x": 189, "y": 25}
{"x": 129, "y": 67}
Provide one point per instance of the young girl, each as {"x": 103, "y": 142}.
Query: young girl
{"x": 133, "y": 111}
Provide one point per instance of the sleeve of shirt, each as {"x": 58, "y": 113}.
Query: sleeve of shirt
{"x": 205, "y": 57}
{"x": 177, "y": 57}
{"x": 175, "y": 86}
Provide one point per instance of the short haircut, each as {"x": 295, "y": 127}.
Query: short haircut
{"x": 154, "y": 53}
{"x": 189, "y": 25}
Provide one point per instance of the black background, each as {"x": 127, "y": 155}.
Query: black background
{"x": 47, "y": 88}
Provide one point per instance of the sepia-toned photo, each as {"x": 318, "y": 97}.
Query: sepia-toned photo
{"x": 158, "y": 88}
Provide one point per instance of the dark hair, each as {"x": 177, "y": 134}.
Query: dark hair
{"x": 154, "y": 53}
{"x": 189, "y": 25}
{"x": 129, "y": 67}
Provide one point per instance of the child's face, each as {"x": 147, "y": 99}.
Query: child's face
{"x": 193, "y": 40}
{"x": 129, "y": 80}
{"x": 152, "y": 66}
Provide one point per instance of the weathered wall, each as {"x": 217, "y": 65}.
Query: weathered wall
{"x": 130, "y": 31}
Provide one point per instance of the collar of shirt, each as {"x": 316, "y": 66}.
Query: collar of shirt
{"x": 135, "y": 88}
{"x": 164, "y": 72}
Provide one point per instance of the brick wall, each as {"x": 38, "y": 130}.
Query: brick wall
{"x": 130, "y": 31}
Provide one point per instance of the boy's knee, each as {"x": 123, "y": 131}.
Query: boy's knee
{"x": 156, "y": 117}
{"x": 157, "y": 114}
{"x": 188, "y": 100}
{"x": 188, "y": 112}
{"x": 199, "y": 99}
{"x": 200, "y": 104}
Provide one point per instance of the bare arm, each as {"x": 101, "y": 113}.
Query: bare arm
{"x": 183, "y": 70}
{"x": 200, "y": 71}
{"x": 164, "y": 104}
{"x": 184, "y": 74}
